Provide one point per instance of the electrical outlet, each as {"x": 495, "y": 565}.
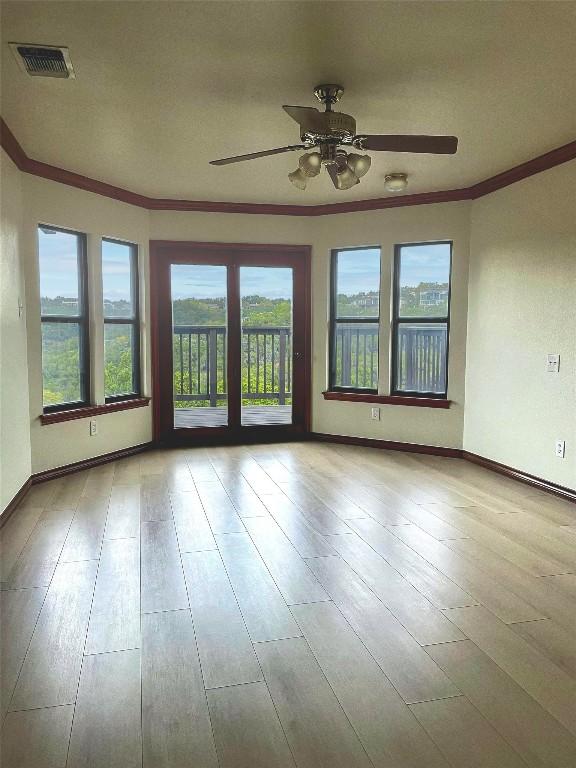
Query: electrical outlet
{"x": 553, "y": 363}
{"x": 375, "y": 414}
{"x": 93, "y": 427}
{"x": 560, "y": 448}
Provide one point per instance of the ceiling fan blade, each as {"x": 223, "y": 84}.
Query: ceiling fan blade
{"x": 254, "y": 155}
{"x": 434, "y": 145}
{"x": 308, "y": 118}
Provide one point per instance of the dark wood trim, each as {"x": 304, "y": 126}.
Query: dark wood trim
{"x": 569, "y": 494}
{"x": 95, "y": 461}
{"x": 388, "y": 445}
{"x": 368, "y": 397}
{"x": 93, "y": 410}
{"x": 538, "y": 164}
{"x": 11, "y": 506}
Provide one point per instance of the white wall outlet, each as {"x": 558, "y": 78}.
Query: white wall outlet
{"x": 93, "y": 427}
{"x": 375, "y": 414}
{"x": 560, "y": 448}
{"x": 553, "y": 363}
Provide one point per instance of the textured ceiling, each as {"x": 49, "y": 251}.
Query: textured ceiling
{"x": 161, "y": 88}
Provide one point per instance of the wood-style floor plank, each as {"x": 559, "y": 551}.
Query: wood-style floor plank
{"x": 36, "y": 738}
{"x": 426, "y": 623}
{"x": 292, "y": 576}
{"x": 414, "y": 675}
{"x": 221, "y": 513}
{"x": 192, "y": 527}
{"x": 163, "y": 587}
{"x": 541, "y": 678}
{"x": 106, "y": 732}
{"x": 464, "y": 736}
{"x": 537, "y": 736}
{"x": 319, "y": 733}
{"x": 264, "y": 610}
{"x": 51, "y": 668}
{"x": 555, "y": 642}
{"x": 13, "y": 537}
{"x": 246, "y": 728}
{"x": 84, "y": 539}
{"x": 154, "y": 499}
{"x": 123, "y": 520}
{"x": 19, "y": 610}
{"x": 306, "y": 541}
{"x": 115, "y": 616}
{"x": 226, "y": 652}
{"x": 176, "y": 727}
{"x": 38, "y": 559}
{"x": 389, "y": 732}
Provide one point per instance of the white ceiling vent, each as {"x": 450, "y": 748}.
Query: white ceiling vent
{"x": 43, "y": 60}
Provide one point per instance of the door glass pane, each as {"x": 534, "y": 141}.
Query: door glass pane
{"x": 61, "y": 377}
{"x": 118, "y": 359}
{"x": 355, "y": 355}
{"x": 266, "y": 302}
{"x": 199, "y": 322}
{"x": 59, "y": 272}
{"x": 421, "y": 363}
{"x": 424, "y": 280}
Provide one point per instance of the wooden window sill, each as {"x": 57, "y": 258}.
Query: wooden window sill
{"x": 92, "y": 410}
{"x": 359, "y": 397}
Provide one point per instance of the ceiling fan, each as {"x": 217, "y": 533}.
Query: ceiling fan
{"x": 329, "y": 132}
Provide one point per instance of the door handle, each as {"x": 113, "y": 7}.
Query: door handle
{"x": 297, "y": 355}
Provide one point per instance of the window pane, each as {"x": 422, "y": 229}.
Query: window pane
{"x": 424, "y": 280}
{"x": 118, "y": 359}
{"x": 421, "y": 357}
{"x": 358, "y": 283}
{"x": 59, "y": 272}
{"x": 61, "y": 363}
{"x": 117, "y": 279}
{"x": 355, "y": 355}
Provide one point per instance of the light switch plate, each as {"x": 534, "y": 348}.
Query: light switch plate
{"x": 553, "y": 363}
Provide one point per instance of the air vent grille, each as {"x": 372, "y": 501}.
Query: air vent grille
{"x": 43, "y": 60}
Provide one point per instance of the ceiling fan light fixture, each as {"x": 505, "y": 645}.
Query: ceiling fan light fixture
{"x": 310, "y": 164}
{"x": 346, "y": 178}
{"x": 359, "y": 164}
{"x": 298, "y": 179}
{"x": 395, "y": 182}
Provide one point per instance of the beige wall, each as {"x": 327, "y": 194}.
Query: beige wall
{"x": 522, "y": 306}
{"x": 382, "y": 228}
{"x": 522, "y": 278}
{"x": 14, "y": 432}
{"x": 51, "y": 203}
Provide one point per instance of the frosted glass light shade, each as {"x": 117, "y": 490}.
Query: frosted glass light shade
{"x": 359, "y": 164}
{"x": 298, "y": 178}
{"x": 310, "y": 164}
{"x": 346, "y": 178}
{"x": 395, "y": 182}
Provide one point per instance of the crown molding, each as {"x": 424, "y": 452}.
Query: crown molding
{"x": 36, "y": 168}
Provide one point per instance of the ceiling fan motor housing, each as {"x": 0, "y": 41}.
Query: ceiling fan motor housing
{"x": 335, "y": 125}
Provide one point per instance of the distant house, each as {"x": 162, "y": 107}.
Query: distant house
{"x": 366, "y": 300}
{"x": 432, "y": 298}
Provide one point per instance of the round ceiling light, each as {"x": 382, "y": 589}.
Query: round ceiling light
{"x": 395, "y": 182}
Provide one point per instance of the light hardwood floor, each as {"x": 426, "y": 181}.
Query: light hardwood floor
{"x": 294, "y": 605}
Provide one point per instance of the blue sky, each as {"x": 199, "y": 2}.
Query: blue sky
{"x": 201, "y": 281}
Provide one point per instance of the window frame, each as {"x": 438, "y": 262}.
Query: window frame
{"x": 82, "y": 320}
{"x": 334, "y": 319}
{"x": 398, "y": 320}
{"x": 134, "y": 320}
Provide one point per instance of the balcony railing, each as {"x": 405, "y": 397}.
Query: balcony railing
{"x": 199, "y": 354}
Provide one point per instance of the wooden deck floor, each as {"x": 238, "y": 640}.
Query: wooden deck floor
{"x": 275, "y": 606}
{"x": 252, "y": 415}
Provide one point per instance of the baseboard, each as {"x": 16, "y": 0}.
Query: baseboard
{"x": 454, "y": 453}
{"x": 524, "y": 477}
{"x": 15, "y": 501}
{"x": 389, "y": 445}
{"x": 95, "y": 461}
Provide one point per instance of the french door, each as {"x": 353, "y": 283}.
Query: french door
{"x": 231, "y": 340}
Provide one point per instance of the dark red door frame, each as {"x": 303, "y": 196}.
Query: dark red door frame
{"x": 163, "y": 253}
